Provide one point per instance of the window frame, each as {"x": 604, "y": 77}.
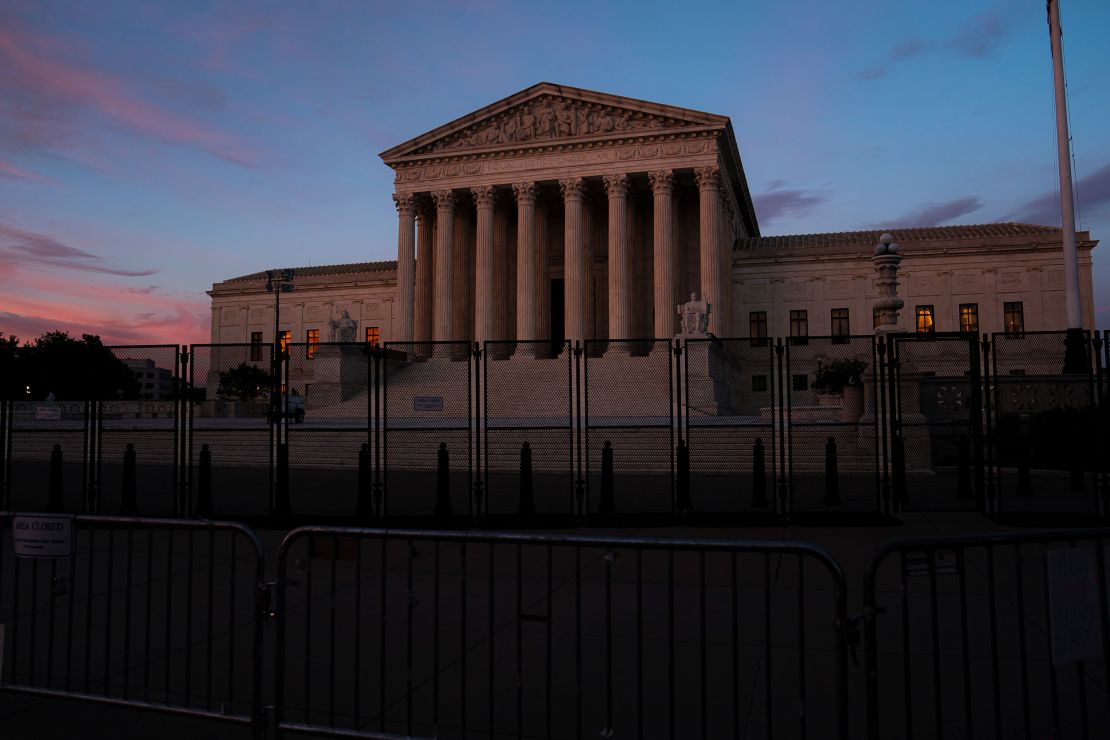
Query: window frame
{"x": 311, "y": 342}
{"x": 376, "y": 341}
{"x": 840, "y": 327}
{"x": 922, "y": 311}
{"x": 799, "y": 319}
{"x": 1008, "y": 311}
{"x": 972, "y": 310}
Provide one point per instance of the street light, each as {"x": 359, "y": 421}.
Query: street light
{"x": 279, "y": 503}
{"x": 281, "y": 282}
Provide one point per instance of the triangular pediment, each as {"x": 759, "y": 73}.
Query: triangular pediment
{"x": 547, "y": 113}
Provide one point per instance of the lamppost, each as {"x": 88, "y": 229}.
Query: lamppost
{"x": 278, "y": 284}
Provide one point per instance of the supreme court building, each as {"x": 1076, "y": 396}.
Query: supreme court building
{"x": 560, "y": 213}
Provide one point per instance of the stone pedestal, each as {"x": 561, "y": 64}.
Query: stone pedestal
{"x": 339, "y": 374}
{"x": 713, "y": 381}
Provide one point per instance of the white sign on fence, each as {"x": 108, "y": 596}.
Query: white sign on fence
{"x": 48, "y": 413}
{"x": 1073, "y": 608}
{"x": 427, "y": 403}
{"x": 41, "y": 536}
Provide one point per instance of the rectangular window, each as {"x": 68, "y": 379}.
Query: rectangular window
{"x": 1014, "y": 316}
{"x": 373, "y": 335}
{"x": 256, "y": 346}
{"x": 285, "y": 337}
{"x": 969, "y": 317}
{"x": 312, "y": 340}
{"x": 925, "y": 323}
{"x": 799, "y": 327}
{"x": 759, "y": 383}
{"x": 757, "y": 328}
{"x": 839, "y": 324}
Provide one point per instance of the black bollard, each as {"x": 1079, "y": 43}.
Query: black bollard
{"x": 685, "y": 503}
{"x": 128, "y": 504}
{"x": 759, "y": 476}
{"x": 963, "y": 469}
{"x": 364, "y": 509}
{"x": 832, "y": 476}
{"x": 54, "y": 502}
{"x": 1078, "y": 482}
{"x": 443, "y": 482}
{"x": 1024, "y": 479}
{"x": 204, "y": 484}
{"x": 608, "y": 505}
{"x": 527, "y": 502}
{"x": 282, "y": 505}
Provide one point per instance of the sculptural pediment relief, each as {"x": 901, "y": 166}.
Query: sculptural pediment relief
{"x": 548, "y": 113}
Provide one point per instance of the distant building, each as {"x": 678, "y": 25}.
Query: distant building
{"x": 155, "y": 383}
{"x": 560, "y": 213}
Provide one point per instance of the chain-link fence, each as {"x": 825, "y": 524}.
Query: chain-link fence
{"x": 48, "y": 465}
{"x": 326, "y": 419}
{"x": 832, "y": 442}
{"x": 429, "y": 421}
{"x": 1046, "y": 422}
{"x": 728, "y": 412}
{"x": 629, "y": 423}
{"x": 936, "y": 441}
{"x": 231, "y": 445}
{"x": 528, "y": 432}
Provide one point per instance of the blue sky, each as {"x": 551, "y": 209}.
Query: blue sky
{"x": 150, "y": 149}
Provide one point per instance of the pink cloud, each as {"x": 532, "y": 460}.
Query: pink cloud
{"x": 9, "y": 170}
{"x": 44, "y": 86}
{"x": 27, "y": 247}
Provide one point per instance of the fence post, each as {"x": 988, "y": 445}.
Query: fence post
{"x": 527, "y": 502}
{"x": 607, "y": 505}
{"x": 685, "y": 503}
{"x": 128, "y": 504}
{"x": 832, "y": 478}
{"x": 54, "y": 502}
{"x": 443, "y": 482}
{"x": 204, "y": 484}
{"x": 759, "y": 476}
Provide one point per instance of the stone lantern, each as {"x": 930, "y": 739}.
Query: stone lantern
{"x": 887, "y": 258}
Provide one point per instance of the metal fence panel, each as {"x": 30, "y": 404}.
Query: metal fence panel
{"x": 147, "y": 421}
{"x": 991, "y": 636}
{"x": 832, "y": 432}
{"x": 48, "y": 447}
{"x": 456, "y": 635}
{"x": 729, "y": 407}
{"x": 429, "y": 398}
{"x": 153, "y": 614}
{"x": 234, "y": 426}
{"x": 527, "y": 400}
{"x": 328, "y": 408}
{"x": 1046, "y": 425}
{"x": 629, "y": 394}
{"x": 936, "y": 445}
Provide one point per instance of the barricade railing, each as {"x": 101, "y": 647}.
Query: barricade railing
{"x": 989, "y": 636}
{"x": 152, "y": 614}
{"x": 450, "y": 634}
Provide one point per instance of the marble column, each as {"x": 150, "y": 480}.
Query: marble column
{"x": 527, "y": 267}
{"x": 425, "y": 246}
{"x": 576, "y": 263}
{"x": 462, "y": 266}
{"x": 445, "y": 232}
{"x": 663, "y": 253}
{"x": 620, "y": 259}
{"x": 406, "y": 265}
{"x": 483, "y": 286}
{"x": 712, "y": 278}
{"x": 543, "y": 286}
{"x": 504, "y": 285}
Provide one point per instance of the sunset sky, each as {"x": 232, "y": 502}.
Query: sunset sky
{"x": 149, "y": 149}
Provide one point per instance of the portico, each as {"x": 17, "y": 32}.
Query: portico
{"x": 620, "y": 204}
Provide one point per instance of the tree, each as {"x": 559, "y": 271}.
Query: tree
{"x": 244, "y": 382}
{"x": 73, "y": 370}
{"x": 13, "y": 381}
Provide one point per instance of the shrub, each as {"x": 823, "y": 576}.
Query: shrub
{"x": 833, "y": 376}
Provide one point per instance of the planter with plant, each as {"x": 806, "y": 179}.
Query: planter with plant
{"x": 840, "y": 382}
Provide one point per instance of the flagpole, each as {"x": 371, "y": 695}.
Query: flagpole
{"x": 1075, "y": 351}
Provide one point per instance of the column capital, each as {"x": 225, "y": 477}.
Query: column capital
{"x": 573, "y": 188}
{"x": 425, "y": 207}
{"x": 484, "y": 195}
{"x": 405, "y": 203}
{"x": 662, "y": 181}
{"x": 616, "y": 185}
{"x": 445, "y": 199}
{"x": 709, "y": 177}
{"x": 524, "y": 192}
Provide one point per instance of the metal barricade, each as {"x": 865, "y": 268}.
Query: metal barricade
{"x": 456, "y": 634}
{"x": 151, "y": 614}
{"x": 989, "y": 636}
